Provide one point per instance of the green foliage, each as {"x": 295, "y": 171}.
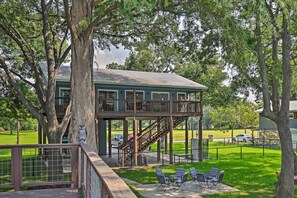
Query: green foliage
{"x": 241, "y": 114}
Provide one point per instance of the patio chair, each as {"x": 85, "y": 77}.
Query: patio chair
{"x": 217, "y": 181}
{"x": 159, "y": 172}
{"x": 213, "y": 172}
{"x": 163, "y": 182}
{"x": 181, "y": 182}
{"x": 201, "y": 179}
{"x": 193, "y": 175}
{"x": 179, "y": 173}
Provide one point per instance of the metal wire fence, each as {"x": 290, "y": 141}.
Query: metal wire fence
{"x": 35, "y": 165}
{"x": 219, "y": 152}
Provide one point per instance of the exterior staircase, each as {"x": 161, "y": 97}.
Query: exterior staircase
{"x": 149, "y": 136}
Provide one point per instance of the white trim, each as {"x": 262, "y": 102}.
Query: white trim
{"x": 60, "y": 93}
{"x": 160, "y": 92}
{"x": 135, "y": 91}
{"x": 63, "y": 88}
{"x": 184, "y": 93}
{"x": 111, "y": 90}
{"x": 143, "y": 96}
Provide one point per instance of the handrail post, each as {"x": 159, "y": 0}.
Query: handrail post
{"x": 74, "y": 166}
{"x": 88, "y": 178}
{"x": 16, "y": 167}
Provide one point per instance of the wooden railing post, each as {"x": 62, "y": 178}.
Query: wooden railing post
{"x": 16, "y": 167}
{"x": 74, "y": 166}
{"x": 88, "y": 178}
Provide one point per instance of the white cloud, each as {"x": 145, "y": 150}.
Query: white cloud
{"x": 102, "y": 58}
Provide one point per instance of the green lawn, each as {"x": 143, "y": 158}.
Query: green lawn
{"x": 179, "y": 134}
{"x": 254, "y": 175}
{"x": 26, "y": 137}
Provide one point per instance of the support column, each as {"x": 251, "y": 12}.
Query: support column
{"x": 39, "y": 138}
{"x": 102, "y": 137}
{"x": 200, "y": 140}
{"x": 125, "y": 132}
{"x": 186, "y": 136}
{"x": 43, "y": 137}
{"x": 109, "y": 138}
{"x": 150, "y": 148}
{"x": 140, "y": 126}
{"x": 97, "y": 132}
{"x": 166, "y": 143}
{"x": 135, "y": 146}
{"x": 39, "y": 134}
{"x": 171, "y": 141}
{"x": 158, "y": 142}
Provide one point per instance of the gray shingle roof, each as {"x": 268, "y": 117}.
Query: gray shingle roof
{"x": 293, "y": 107}
{"x": 125, "y": 77}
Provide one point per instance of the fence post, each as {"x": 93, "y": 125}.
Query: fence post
{"x": 16, "y": 167}
{"x": 240, "y": 152}
{"x": 217, "y": 153}
{"x": 162, "y": 158}
{"x": 263, "y": 146}
{"x": 74, "y": 166}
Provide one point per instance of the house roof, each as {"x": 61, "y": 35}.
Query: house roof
{"x": 293, "y": 107}
{"x": 138, "y": 78}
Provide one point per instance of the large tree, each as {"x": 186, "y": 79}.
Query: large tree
{"x": 257, "y": 39}
{"x": 32, "y": 32}
{"x": 106, "y": 23}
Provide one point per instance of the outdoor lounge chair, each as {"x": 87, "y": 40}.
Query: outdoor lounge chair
{"x": 213, "y": 172}
{"x": 201, "y": 179}
{"x": 159, "y": 172}
{"x": 163, "y": 182}
{"x": 179, "y": 173}
{"x": 181, "y": 181}
{"x": 193, "y": 175}
{"x": 217, "y": 181}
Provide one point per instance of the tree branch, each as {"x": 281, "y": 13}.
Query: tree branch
{"x": 21, "y": 95}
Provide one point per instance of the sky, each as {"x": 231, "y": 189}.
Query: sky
{"x": 102, "y": 58}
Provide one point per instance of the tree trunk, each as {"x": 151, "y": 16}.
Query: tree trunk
{"x": 285, "y": 186}
{"x": 82, "y": 86}
{"x": 10, "y": 127}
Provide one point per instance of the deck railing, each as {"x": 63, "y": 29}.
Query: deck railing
{"x": 129, "y": 107}
{"x": 102, "y": 182}
{"x": 54, "y": 165}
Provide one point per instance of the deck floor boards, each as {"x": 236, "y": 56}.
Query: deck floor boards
{"x": 44, "y": 193}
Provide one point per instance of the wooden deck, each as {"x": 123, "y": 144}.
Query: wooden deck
{"x": 44, "y": 193}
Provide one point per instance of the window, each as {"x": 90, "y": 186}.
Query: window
{"x": 181, "y": 102}
{"x": 130, "y": 100}
{"x": 108, "y": 100}
{"x": 64, "y": 98}
{"x": 160, "y": 101}
{"x": 160, "y": 95}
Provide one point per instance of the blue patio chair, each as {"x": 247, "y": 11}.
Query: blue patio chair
{"x": 163, "y": 182}
{"x": 193, "y": 174}
{"x": 181, "y": 182}
{"x": 201, "y": 179}
{"x": 179, "y": 173}
{"x": 217, "y": 181}
{"x": 213, "y": 172}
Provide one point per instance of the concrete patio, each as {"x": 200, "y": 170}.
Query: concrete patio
{"x": 150, "y": 190}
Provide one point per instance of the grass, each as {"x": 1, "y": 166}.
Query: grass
{"x": 179, "y": 134}
{"x": 26, "y": 137}
{"x": 254, "y": 175}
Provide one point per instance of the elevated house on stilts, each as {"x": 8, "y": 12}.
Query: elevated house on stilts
{"x": 165, "y": 99}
